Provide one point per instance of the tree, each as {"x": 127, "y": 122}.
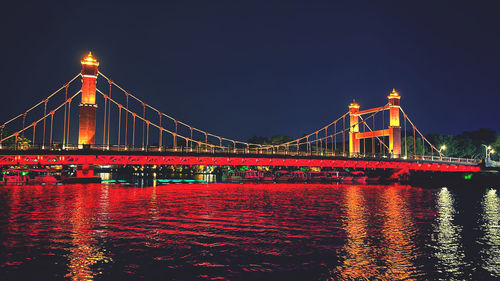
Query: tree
{"x": 22, "y": 141}
{"x": 279, "y": 139}
{"x": 258, "y": 140}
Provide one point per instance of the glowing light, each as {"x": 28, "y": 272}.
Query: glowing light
{"x": 394, "y": 94}
{"x": 90, "y": 60}
{"x": 353, "y": 104}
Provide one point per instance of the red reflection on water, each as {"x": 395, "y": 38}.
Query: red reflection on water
{"x": 218, "y": 229}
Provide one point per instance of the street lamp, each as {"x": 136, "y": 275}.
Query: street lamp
{"x": 442, "y": 148}
{"x": 488, "y": 151}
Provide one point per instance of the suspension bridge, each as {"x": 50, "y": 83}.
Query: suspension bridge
{"x": 68, "y": 127}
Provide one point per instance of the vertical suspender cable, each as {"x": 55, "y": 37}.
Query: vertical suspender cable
{"x": 175, "y": 136}
{"x": 382, "y": 148}
{"x": 24, "y": 122}
{"x": 174, "y": 141}
{"x": 335, "y": 142}
{"x": 406, "y": 141}
{"x": 126, "y": 121}
{"x": 161, "y": 139}
{"x": 326, "y": 139}
{"x": 333, "y": 151}
{"x": 147, "y": 135}
{"x": 316, "y": 142}
{"x": 109, "y": 110}
{"x": 143, "y": 122}
{"x": 119, "y": 123}
{"x": 343, "y": 136}
{"x": 364, "y": 140}
{"x": 1, "y": 135}
{"x": 414, "y": 143}
{"x": 206, "y": 140}
{"x": 191, "y": 139}
{"x": 373, "y": 140}
{"x": 51, "y": 126}
{"x": 159, "y": 134}
{"x": 104, "y": 125}
{"x": 64, "y": 122}
{"x": 44, "y": 120}
{"x": 133, "y": 130}
{"x": 423, "y": 146}
{"x": 34, "y": 127}
{"x": 68, "y": 122}
{"x": 307, "y": 144}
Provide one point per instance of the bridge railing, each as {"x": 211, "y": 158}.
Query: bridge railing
{"x": 251, "y": 151}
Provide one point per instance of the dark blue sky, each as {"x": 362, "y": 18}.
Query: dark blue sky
{"x": 240, "y": 68}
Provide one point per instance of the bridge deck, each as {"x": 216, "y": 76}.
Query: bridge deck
{"x": 100, "y": 157}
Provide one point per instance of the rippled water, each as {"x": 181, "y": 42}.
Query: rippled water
{"x": 248, "y": 232}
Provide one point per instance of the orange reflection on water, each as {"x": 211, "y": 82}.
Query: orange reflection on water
{"x": 379, "y": 241}
{"x": 397, "y": 230}
{"x": 359, "y": 262}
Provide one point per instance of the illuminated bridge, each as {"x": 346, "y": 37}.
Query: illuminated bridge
{"x": 69, "y": 128}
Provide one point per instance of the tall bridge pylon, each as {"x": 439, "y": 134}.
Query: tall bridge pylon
{"x": 88, "y": 106}
{"x": 393, "y": 131}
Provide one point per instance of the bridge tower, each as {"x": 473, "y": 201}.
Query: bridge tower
{"x": 394, "y": 130}
{"x": 394, "y": 126}
{"x": 354, "y": 142}
{"x": 88, "y": 106}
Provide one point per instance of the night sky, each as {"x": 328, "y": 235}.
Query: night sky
{"x": 243, "y": 68}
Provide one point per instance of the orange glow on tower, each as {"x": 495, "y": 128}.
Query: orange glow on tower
{"x": 88, "y": 107}
{"x": 394, "y": 126}
{"x": 354, "y": 147}
{"x": 394, "y": 130}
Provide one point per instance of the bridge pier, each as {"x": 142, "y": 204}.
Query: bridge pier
{"x": 85, "y": 171}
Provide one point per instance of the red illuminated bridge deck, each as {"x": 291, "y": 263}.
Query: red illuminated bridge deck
{"x": 99, "y": 157}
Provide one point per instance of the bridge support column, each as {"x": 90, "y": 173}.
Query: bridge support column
{"x": 354, "y": 142}
{"x": 85, "y": 171}
{"x": 394, "y": 126}
{"x": 88, "y": 106}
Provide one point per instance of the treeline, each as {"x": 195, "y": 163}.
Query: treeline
{"x": 467, "y": 144}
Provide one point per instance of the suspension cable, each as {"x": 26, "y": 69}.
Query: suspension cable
{"x": 42, "y": 101}
{"x": 423, "y": 137}
{"x": 39, "y": 120}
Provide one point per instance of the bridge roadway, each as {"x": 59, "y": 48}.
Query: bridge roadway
{"x": 171, "y": 157}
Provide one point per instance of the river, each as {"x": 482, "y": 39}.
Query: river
{"x": 223, "y": 231}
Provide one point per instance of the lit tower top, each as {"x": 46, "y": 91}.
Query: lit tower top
{"x": 90, "y": 60}
{"x": 353, "y": 104}
{"x": 394, "y": 97}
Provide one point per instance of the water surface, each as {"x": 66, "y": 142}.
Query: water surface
{"x": 248, "y": 232}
